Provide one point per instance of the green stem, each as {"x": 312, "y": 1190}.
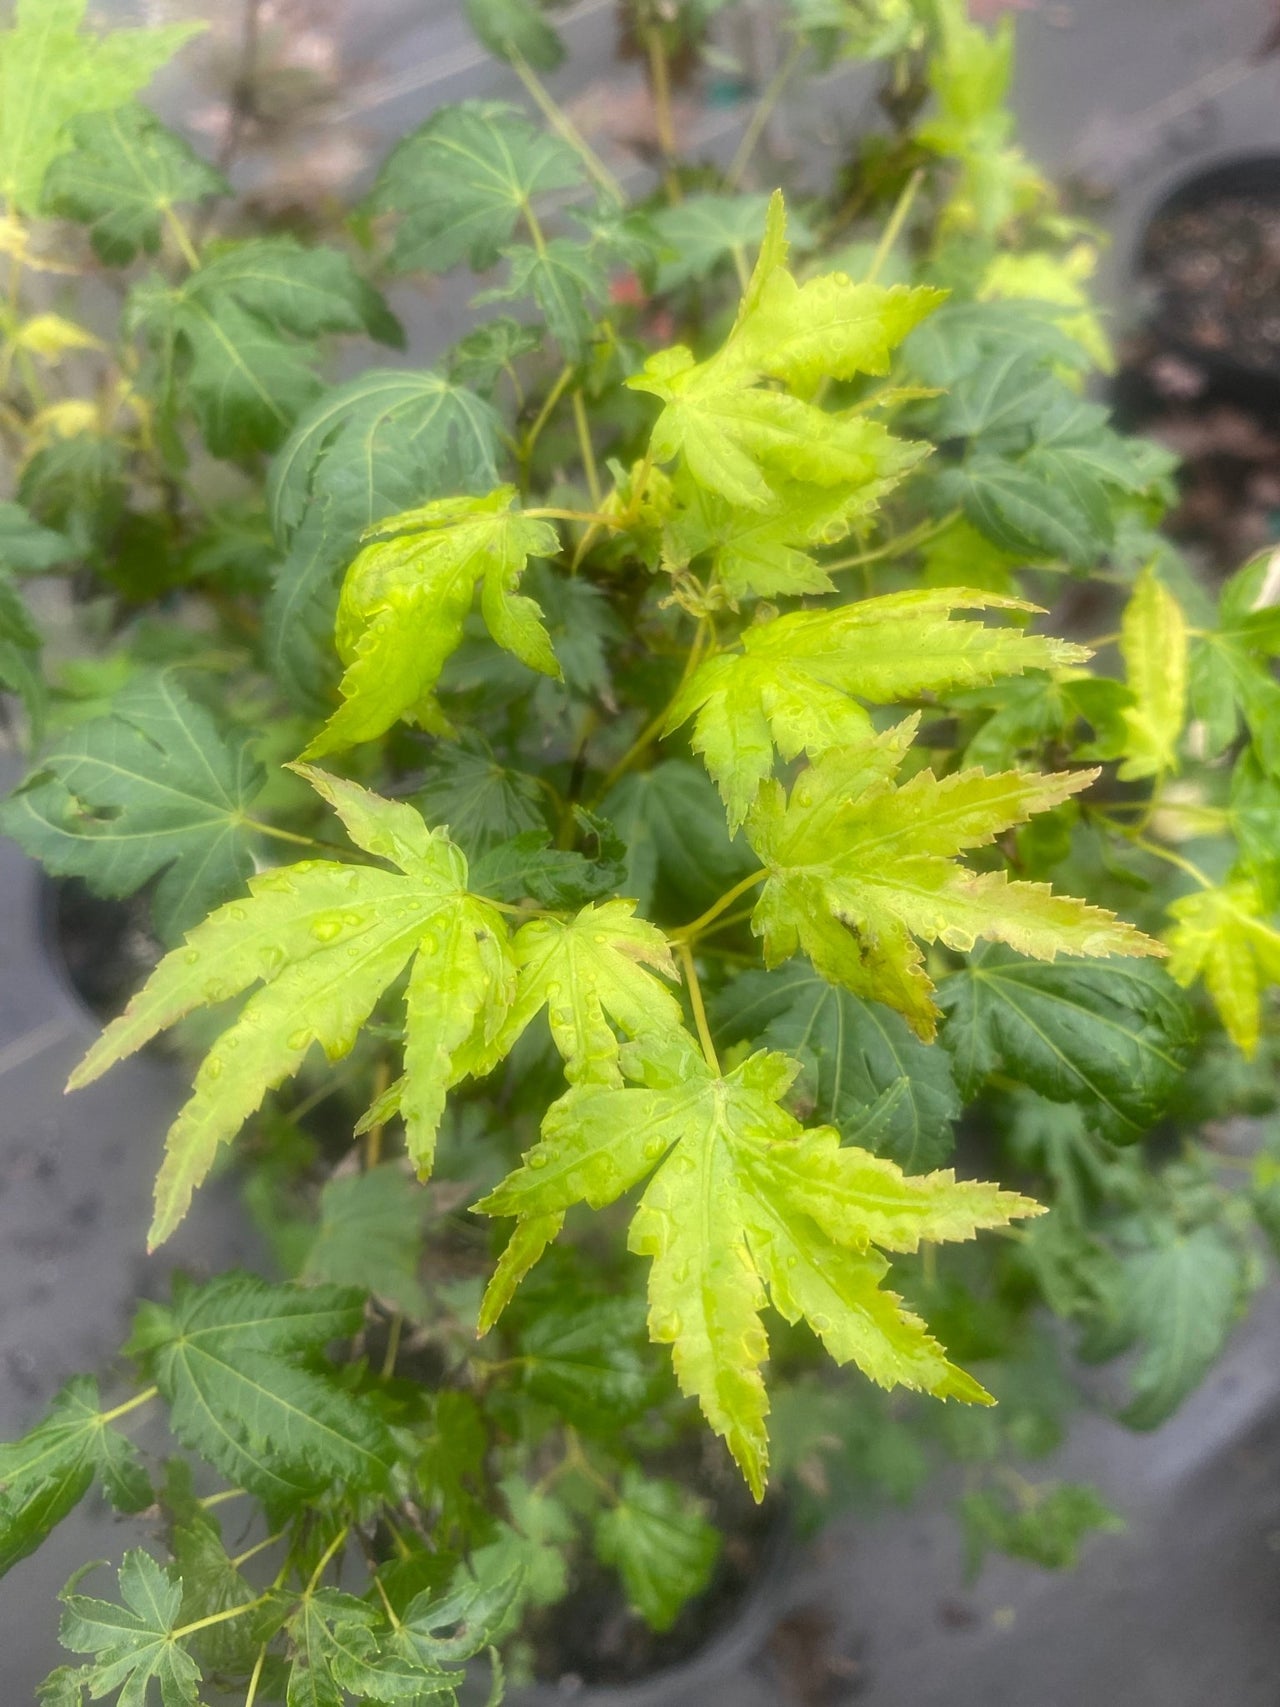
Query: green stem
{"x": 653, "y": 728}
{"x": 220, "y": 1617}
{"x": 685, "y": 953}
{"x": 902, "y": 542}
{"x": 690, "y": 933}
{"x": 393, "y": 1346}
{"x": 211, "y": 1500}
{"x": 565, "y": 128}
{"x": 544, "y": 414}
{"x": 1139, "y": 841}
{"x": 334, "y": 1546}
{"x": 585, "y": 449}
{"x": 589, "y": 517}
{"x": 288, "y": 836}
{"x": 255, "y": 1676}
{"x": 897, "y": 219}
{"x": 138, "y": 1399}
{"x": 181, "y": 236}
{"x": 763, "y": 113}
{"x": 261, "y": 1547}
{"x": 660, "y": 87}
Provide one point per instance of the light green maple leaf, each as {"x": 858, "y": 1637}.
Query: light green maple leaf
{"x": 133, "y": 1643}
{"x": 365, "y": 450}
{"x": 325, "y": 940}
{"x": 406, "y": 597}
{"x": 587, "y": 972}
{"x": 758, "y": 554}
{"x": 744, "y": 1206}
{"x": 50, "y": 73}
{"x": 736, "y": 437}
{"x": 796, "y": 683}
{"x": 1154, "y": 645}
{"x": 851, "y": 848}
{"x": 1225, "y": 937}
{"x": 829, "y": 327}
{"x": 122, "y": 174}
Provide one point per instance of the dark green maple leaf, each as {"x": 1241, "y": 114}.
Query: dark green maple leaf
{"x": 1114, "y": 1037}
{"x": 122, "y": 174}
{"x": 853, "y": 1053}
{"x": 236, "y": 1361}
{"x": 237, "y": 337}
{"x": 50, "y": 1469}
{"x": 133, "y": 1643}
{"x": 461, "y": 182}
{"x": 154, "y": 788}
{"x": 516, "y": 29}
{"x": 661, "y": 1545}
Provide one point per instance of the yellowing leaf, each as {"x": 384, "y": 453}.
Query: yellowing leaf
{"x": 850, "y": 848}
{"x": 796, "y": 682}
{"x": 1223, "y": 936}
{"x": 50, "y": 73}
{"x": 50, "y": 336}
{"x": 829, "y": 327}
{"x": 325, "y": 940}
{"x": 739, "y": 439}
{"x": 1039, "y": 275}
{"x": 1153, "y": 644}
{"x": 406, "y": 597}
{"x": 588, "y": 971}
{"x": 64, "y": 421}
{"x": 744, "y": 1207}
{"x": 761, "y": 553}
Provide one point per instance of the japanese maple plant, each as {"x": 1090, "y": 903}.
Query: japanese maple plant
{"x": 626, "y": 808}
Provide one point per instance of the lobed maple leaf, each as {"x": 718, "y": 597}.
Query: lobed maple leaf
{"x": 237, "y": 1361}
{"x": 365, "y": 450}
{"x": 238, "y": 336}
{"x": 741, "y": 439}
{"x": 462, "y": 181}
{"x": 795, "y": 684}
{"x": 587, "y": 972}
{"x": 1154, "y": 646}
{"x": 1114, "y": 1040}
{"x": 132, "y": 1643}
{"x": 51, "y": 1468}
{"x": 406, "y": 597}
{"x": 745, "y": 1206}
{"x": 325, "y": 940}
{"x": 1225, "y": 936}
{"x": 156, "y": 788}
{"x": 123, "y": 172}
{"x": 852, "y": 848}
{"x": 51, "y": 72}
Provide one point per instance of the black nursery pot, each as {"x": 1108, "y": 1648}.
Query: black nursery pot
{"x": 730, "y": 1661}
{"x": 1209, "y": 262}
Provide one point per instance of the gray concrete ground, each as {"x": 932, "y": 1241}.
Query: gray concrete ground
{"x": 1179, "y": 1611}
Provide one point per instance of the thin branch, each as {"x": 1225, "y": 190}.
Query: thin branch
{"x": 690, "y": 933}
{"x": 764, "y": 111}
{"x": 699, "y": 1007}
{"x": 565, "y": 128}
